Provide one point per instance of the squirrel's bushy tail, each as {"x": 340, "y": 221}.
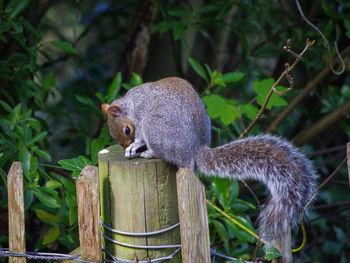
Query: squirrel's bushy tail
{"x": 284, "y": 169}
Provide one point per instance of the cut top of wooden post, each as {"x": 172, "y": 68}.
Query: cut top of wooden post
{"x": 139, "y": 196}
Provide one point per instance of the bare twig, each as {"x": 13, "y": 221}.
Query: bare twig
{"x": 325, "y": 40}
{"x": 327, "y": 151}
{"x": 273, "y": 88}
{"x": 309, "y": 87}
{"x": 332, "y": 174}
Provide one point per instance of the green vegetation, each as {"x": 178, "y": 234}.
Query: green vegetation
{"x": 56, "y": 70}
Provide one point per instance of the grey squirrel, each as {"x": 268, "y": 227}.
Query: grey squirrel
{"x": 169, "y": 118}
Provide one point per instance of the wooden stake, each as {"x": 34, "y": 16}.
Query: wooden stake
{"x": 89, "y": 214}
{"x": 16, "y": 212}
{"x": 193, "y": 218}
{"x": 285, "y": 248}
{"x": 348, "y": 160}
{"x": 138, "y": 195}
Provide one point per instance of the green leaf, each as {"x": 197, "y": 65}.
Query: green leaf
{"x": 198, "y": 68}
{"x": 51, "y": 235}
{"x": 49, "y": 81}
{"x": 28, "y": 199}
{"x": 69, "y": 186}
{"x": 34, "y": 123}
{"x": 65, "y": 46}
{"x": 100, "y": 96}
{"x": 216, "y": 79}
{"x": 97, "y": 145}
{"x": 232, "y": 77}
{"x": 329, "y": 11}
{"x": 221, "y": 230}
{"x": 47, "y": 196}
{"x": 53, "y": 184}
{"x": 262, "y": 88}
{"x": 71, "y": 200}
{"x": 249, "y": 110}
{"x": 271, "y": 252}
{"x": 163, "y": 27}
{"x": 114, "y": 88}
{"x": 230, "y": 114}
{"x": 136, "y": 79}
{"x": 14, "y": 7}
{"x": 5, "y": 106}
{"x": 211, "y": 8}
{"x": 219, "y": 107}
{"x": 75, "y": 165}
{"x": 73, "y": 214}
{"x": 46, "y": 217}
{"x": 24, "y": 158}
{"x": 179, "y": 12}
{"x": 6, "y": 128}
{"x": 43, "y": 154}
{"x": 85, "y": 100}
{"x": 37, "y": 138}
{"x": 347, "y": 27}
{"x": 180, "y": 29}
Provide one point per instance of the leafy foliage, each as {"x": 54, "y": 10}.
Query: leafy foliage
{"x": 56, "y": 70}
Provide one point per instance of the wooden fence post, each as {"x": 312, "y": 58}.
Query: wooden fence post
{"x": 16, "y": 212}
{"x": 89, "y": 214}
{"x": 193, "y": 218}
{"x": 285, "y": 247}
{"x": 348, "y": 159}
{"x": 138, "y": 195}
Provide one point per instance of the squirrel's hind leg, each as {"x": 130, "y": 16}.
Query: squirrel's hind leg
{"x": 148, "y": 154}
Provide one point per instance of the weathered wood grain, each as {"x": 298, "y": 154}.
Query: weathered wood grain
{"x": 138, "y": 195}
{"x": 193, "y": 218}
{"x": 285, "y": 247}
{"x": 87, "y": 186}
{"x": 16, "y": 212}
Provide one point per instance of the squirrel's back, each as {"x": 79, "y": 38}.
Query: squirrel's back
{"x": 174, "y": 110}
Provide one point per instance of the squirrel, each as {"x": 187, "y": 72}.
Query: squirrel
{"x": 169, "y": 118}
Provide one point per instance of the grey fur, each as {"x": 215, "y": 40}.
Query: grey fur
{"x": 170, "y": 119}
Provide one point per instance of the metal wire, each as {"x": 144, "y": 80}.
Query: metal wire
{"x": 139, "y": 234}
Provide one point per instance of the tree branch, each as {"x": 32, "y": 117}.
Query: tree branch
{"x": 321, "y": 125}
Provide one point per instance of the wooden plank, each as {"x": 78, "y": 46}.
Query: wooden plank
{"x": 89, "y": 214}
{"x": 193, "y": 218}
{"x": 16, "y": 212}
{"x": 138, "y": 195}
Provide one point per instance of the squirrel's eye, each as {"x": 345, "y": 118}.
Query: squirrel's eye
{"x": 127, "y": 130}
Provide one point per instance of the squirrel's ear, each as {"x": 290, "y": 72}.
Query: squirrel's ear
{"x": 114, "y": 110}
{"x": 104, "y": 108}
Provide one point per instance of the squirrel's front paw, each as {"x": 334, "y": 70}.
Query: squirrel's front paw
{"x": 130, "y": 151}
{"x": 147, "y": 154}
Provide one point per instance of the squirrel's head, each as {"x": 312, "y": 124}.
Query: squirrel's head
{"x": 120, "y": 126}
